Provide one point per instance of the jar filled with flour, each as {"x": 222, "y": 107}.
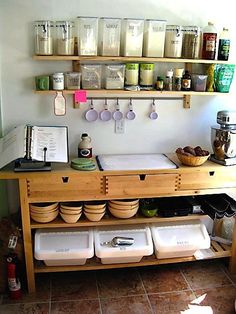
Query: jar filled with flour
{"x": 173, "y": 41}
{"x": 65, "y": 40}
{"x": 43, "y": 37}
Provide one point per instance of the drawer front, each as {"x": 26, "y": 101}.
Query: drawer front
{"x": 141, "y": 185}
{"x": 207, "y": 180}
{"x": 63, "y": 187}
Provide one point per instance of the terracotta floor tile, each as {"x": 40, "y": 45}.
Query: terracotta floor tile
{"x": 117, "y": 283}
{"x": 74, "y": 286}
{"x": 171, "y": 302}
{"x": 126, "y": 305}
{"x": 26, "y": 308}
{"x": 76, "y": 307}
{"x": 221, "y": 301}
{"x": 205, "y": 275}
{"x": 163, "y": 279}
{"x": 42, "y": 293}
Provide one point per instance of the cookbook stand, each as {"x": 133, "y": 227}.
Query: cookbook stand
{"x": 28, "y": 164}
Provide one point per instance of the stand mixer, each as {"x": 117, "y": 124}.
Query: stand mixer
{"x": 223, "y": 138}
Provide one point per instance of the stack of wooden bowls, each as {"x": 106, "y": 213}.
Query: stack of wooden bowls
{"x": 123, "y": 208}
{"x": 44, "y": 212}
{"x": 94, "y": 210}
{"x": 71, "y": 211}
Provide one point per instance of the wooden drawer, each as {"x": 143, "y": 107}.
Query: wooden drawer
{"x": 208, "y": 179}
{"x": 141, "y": 185}
{"x": 65, "y": 187}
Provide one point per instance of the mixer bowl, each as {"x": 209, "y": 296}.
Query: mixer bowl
{"x": 223, "y": 141}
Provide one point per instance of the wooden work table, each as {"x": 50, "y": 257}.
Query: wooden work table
{"x": 66, "y": 184}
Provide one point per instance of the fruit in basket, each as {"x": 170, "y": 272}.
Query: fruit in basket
{"x": 192, "y": 156}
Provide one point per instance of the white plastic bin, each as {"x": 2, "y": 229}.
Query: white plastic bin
{"x": 178, "y": 239}
{"x": 142, "y": 245}
{"x": 59, "y": 247}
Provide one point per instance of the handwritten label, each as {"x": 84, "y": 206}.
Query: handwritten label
{"x": 80, "y": 96}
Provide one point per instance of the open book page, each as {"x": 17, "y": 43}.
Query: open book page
{"x": 54, "y": 139}
{"x": 12, "y": 145}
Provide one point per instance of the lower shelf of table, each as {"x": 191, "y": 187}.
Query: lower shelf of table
{"x": 218, "y": 250}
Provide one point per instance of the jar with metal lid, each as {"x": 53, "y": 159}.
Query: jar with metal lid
{"x": 173, "y": 41}
{"x": 65, "y": 41}
{"x": 131, "y": 74}
{"x": 191, "y": 42}
{"x": 146, "y": 75}
{"x": 43, "y": 37}
{"x": 58, "y": 81}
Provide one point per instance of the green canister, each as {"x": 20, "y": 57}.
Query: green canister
{"x": 131, "y": 74}
{"x": 146, "y": 75}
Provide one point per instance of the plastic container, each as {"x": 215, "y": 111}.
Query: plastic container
{"x": 109, "y": 36}
{"x": 114, "y": 76}
{"x": 43, "y": 37}
{"x": 91, "y": 76}
{"x": 154, "y": 38}
{"x": 59, "y": 247}
{"x": 87, "y": 36}
{"x": 173, "y": 41}
{"x": 132, "y": 37}
{"x": 209, "y": 42}
{"x": 179, "y": 239}
{"x": 224, "y": 45}
{"x": 199, "y": 82}
{"x": 65, "y": 41}
{"x": 72, "y": 80}
{"x": 142, "y": 246}
{"x": 191, "y": 42}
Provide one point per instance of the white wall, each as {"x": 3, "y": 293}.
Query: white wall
{"x": 175, "y": 127}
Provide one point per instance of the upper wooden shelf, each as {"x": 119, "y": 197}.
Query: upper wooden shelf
{"x": 126, "y": 59}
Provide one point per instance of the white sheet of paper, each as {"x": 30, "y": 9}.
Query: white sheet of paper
{"x": 135, "y": 162}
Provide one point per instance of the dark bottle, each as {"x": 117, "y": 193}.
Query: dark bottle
{"x": 209, "y": 42}
{"x": 186, "y": 81}
{"x": 224, "y": 45}
{"x": 160, "y": 83}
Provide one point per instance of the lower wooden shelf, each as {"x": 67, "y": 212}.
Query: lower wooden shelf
{"x": 217, "y": 250}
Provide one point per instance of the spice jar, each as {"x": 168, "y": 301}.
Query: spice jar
{"x": 173, "y": 41}
{"x": 178, "y": 79}
{"x": 159, "y": 83}
{"x": 65, "y": 41}
{"x": 191, "y": 42}
{"x": 43, "y": 37}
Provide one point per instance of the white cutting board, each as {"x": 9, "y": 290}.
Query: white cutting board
{"x": 135, "y": 162}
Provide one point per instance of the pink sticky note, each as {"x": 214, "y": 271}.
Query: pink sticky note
{"x": 80, "y": 96}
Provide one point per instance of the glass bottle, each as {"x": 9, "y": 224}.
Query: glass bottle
{"x": 209, "y": 42}
{"x": 168, "y": 84}
{"x": 159, "y": 83}
{"x": 186, "y": 81}
{"x": 85, "y": 147}
{"x": 178, "y": 79}
{"x": 224, "y": 45}
{"x": 43, "y": 37}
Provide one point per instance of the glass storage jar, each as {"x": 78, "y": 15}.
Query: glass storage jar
{"x": 87, "y": 36}
{"x": 114, "y": 76}
{"x": 91, "y": 76}
{"x": 72, "y": 80}
{"x": 191, "y": 42}
{"x": 132, "y": 37}
{"x": 173, "y": 41}
{"x": 109, "y": 36}
{"x": 154, "y": 38}
{"x": 43, "y": 37}
{"x": 65, "y": 41}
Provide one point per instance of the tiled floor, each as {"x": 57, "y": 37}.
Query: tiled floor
{"x": 197, "y": 287}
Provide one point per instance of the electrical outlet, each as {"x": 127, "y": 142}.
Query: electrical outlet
{"x": 120, "y": 126}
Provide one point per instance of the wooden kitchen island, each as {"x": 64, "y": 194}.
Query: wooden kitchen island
{"x": 66, "y": 184}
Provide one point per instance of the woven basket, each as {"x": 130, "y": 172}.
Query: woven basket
{"x": 193, "y": 161}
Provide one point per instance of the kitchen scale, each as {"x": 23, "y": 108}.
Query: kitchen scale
{"x": 223, "y": 139}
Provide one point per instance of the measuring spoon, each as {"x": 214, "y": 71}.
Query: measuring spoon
{"x": 117, "y": 114}
{"x": 153, "y": 114}
{"x": 130, "y": 115}
{"x": 105, "y": 114}
{"x": 91, "y": 114}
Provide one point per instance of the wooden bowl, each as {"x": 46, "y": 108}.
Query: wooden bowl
{"x": 192, "y": 161}
{"x": 94, "y": 211}
{"x": 42, "y": 212}
{"x": 125, "y": 202}
{"x": 95, "y": 204}
{"x": 123, "y": 206}
{"x": 70, "y": 212}
{"x": 94, "y": 217}
{"x": 123, "y": 213}
{"x": 43, "y": 206}
{"x": 71, "y": 205}
{"x": 44, "y": 218}
{"x": 70, "y": 219}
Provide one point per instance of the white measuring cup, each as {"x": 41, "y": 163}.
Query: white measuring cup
{"x": 153, "y": 114}
{"x": 105, "y": 114}
{"x": 117, "y": 114}
{"x": 91, "y": 114}
{"x": 130, "y": 115}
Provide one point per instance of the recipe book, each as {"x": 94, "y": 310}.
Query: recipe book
{"x": 40, "y": 143}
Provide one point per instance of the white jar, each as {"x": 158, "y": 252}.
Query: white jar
{"x": 154, "y": 38}
{"x": 131, "y": 74}
{"x": 132, "y": 37}
{"x": 58, "y": 81}
{"x": 114, "y": 76}
{"x": 173, "y": 41}
{"x": 146, "y": 75}
{"x": 109, "y": 36}
{"x": 87, "y": 34}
